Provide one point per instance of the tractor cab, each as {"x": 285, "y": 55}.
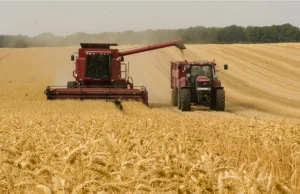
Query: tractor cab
{"x": 202, "y": 73}
{"x": 199, "y": 72}
{"x": 204, "y": 70}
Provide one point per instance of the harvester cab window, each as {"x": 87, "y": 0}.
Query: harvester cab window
{"x": 97, "y": 66}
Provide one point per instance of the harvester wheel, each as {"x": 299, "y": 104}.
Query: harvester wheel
{"x": 186, "y": 99}
{"x": 72, "y": 84}
{"x": 174, "y": 99}
{"x": 220, "y": 100}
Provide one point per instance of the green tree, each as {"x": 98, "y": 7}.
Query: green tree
{"x": 195, "y": 35}
{"x": 232, "y": 34}
{"x": 289, "y": 33}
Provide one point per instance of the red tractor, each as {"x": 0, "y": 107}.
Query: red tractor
{"x": 196, "y": 82}
{"x": 100, "y": 73}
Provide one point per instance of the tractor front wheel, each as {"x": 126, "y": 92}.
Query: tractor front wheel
{"x": 186, "y": 98}
{"x": 220, "y": 100}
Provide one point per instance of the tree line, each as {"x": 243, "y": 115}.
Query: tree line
{"x": 193, "y": 35}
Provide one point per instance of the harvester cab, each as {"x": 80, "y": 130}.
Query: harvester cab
{"x": 100, "y": 73}
{"x": 196, "y": 82}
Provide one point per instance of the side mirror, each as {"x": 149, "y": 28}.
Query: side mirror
{"x": 225, "y": 66}
{"x": 179, "y": 66}
{"x": 72, "y": 57}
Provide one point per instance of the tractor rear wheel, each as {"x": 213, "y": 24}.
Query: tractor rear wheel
{"x": 174, "y": 99}
{"x": 179, "y": 99}
{"x": 72, "y": 84}
{"x": 220, "y": 100}
{"x": 213, "y": 100}
{"x": 186, "y": 98}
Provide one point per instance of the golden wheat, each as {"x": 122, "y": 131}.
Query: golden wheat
{"x": 74, "y": 146}
{"x": 127, "y": 156}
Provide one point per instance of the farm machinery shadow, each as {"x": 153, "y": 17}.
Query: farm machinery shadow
{"x": 194, "y": 108}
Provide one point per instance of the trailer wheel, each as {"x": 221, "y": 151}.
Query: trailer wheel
{"x": 220, "y": 100}
{"x": 174, "y": 99}
{"x": 186, "y": 99}
{"x": 72, "y": 84}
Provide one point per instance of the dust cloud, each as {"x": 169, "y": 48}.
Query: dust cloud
{"x": 152, "y": 69}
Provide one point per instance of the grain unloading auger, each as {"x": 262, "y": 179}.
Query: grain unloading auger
{"x": 100, "y": 73}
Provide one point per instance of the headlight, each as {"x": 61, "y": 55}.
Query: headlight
{"x": 188, "y": 75}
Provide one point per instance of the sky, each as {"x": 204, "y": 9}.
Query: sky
{"x": 63, "y": 18}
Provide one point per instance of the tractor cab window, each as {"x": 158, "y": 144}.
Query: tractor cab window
{"x": 97, "y": 66}
{"x": 203, "y": 70}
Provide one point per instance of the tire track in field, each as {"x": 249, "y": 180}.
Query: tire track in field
{"x": 286, "y": 56}
{"x": 258, "y": 63}
{"x": 5, "y": 55}
{"x": 292, "y": 84}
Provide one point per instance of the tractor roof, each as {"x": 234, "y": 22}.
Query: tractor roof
{"x": 97, "y": 45}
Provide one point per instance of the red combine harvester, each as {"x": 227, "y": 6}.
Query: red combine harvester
{"x": 196, "y": 82}
{"x": 100, "y": 73}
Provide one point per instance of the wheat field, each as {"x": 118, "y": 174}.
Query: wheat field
{"x": 92, "y": 147}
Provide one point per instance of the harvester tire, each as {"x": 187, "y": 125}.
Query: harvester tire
{"x": 174, "y": 98}
{"x": 72, "y": 84}
{"x": 186, "y": 99}
{"x": 220, "y": 100}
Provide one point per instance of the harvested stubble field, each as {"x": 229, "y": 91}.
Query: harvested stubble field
{"x": 93, "y": 147}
